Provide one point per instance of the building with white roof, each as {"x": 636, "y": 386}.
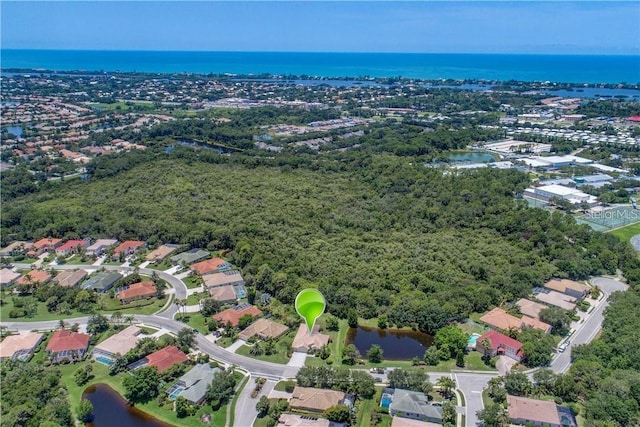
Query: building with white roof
{"x": 555, "y": 191}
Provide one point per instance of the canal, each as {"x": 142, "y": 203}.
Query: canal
{"x": 110, "y": 409}
{"x": 396, "y": 344}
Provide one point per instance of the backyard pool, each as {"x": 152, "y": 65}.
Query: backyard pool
{"x": 104, "y": 360}
{"x": 385, "y": 401}
{"x": 472, "y": 340}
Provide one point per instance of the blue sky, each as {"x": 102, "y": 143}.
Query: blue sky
{"x": 600, "y": 27}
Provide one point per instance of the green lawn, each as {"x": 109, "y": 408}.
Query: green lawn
{"x": 194, "y": 299}
{"x": 282, "y": 385}
{"x": 77, "y": 260}
{"x": 41, "y": 315}
{"x": 145, "y": 306}
{"x": 164, "y": 265}
{"x": 283, "y": 346}
{"x": 365, "y": 407}
{"x": 192, "y": 282}
{"x": 121, "y": 106}
{"x": 626, "y": 233}
{"x": 196, "y": 321}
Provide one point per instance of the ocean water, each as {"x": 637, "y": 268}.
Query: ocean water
{"x": 555, "y": 68}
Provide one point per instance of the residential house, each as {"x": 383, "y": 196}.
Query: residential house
{"x": 162, "y": 359}
{"x": 15, "y": 248}
{"x": 231, "y": 277}
{"x": 293, "y": 420}
{"x": 102, "y": 282}
{"x": 263, "y": 329}
{"x": 414, "y": 405}
{"x": 69, "y": 278}
{"x": 119, "y": 343}
{"x": 305, "y": 340}
{"x": 224, "y": 294}
{"x": 8, "y": 277}
{"x": 500, "y": 319}
{"x": 19, "y": 347}
{"x": 213, "y": 265}
{"x": 189, "y": 257}
{"x": 408, "y": 422}
{"x": 556, "y": 299}
{"x": 47, "y": 244}
{"x": 160, "y": 253}
{"x": 532, "y": 412}
{"x": 127, "y": 248}
{"x": 34, "y": 276}
{"x": 315, "y": 399}
{"x": 530, "y": 308}
{"x": 499, "y": 344}
{"x": 66, "y": 345}
{"x": 71, "y": 247}
{"x": 569, "y": 287}
{"x": 194, "y": 383}
{"x": 232, "y": 315}
{"x": 100, "y": 246}
{"x": 136, "y": 291}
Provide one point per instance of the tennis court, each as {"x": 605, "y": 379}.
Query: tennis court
{"x": 604, "y": 219}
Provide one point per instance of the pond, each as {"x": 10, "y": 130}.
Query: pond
{"x": 110, "y": 409}
{"x": 471, "y": 157}
{"x": 396, "y": 344}
{"x": 15, "y": 130}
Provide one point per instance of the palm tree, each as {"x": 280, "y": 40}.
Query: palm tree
{"x": 129, "y": 319}
{"x": 61, "y": 324}
{"x": 116, "y": 318}
{"x": 447, "y": 385}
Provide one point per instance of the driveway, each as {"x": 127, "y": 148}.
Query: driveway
{"x": 504, "y": 364}
{"x": 236, "y": 345}
{"x": 297, "y": 359}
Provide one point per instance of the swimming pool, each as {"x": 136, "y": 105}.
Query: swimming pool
{"x": 472, "y": 340}
{"x": 176, "y": 393}
{"x": 385, "y": 401}
{"x": 104, "y": 360}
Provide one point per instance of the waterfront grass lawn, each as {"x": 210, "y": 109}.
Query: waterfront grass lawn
{"x": 281, "y": 355}
{"x": 626, "y": 233}
{"x": 100, "y": 375}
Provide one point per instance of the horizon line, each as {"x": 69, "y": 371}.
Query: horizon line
{"x": 317, "y": 52}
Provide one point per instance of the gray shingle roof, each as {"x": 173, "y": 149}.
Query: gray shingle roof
{"x": 414, "y": 402}
{"x": 102, "y": 282}
{"x": 196, "y": 382}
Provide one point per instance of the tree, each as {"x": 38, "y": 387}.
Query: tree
{"x": 338, "y": 413}
{"x": 262, "y": 406}
{"x": 374, "y": 354}
{"x": 559, "y": 319}
{"x": 349, "y": 354}
{"x": 451, "y": 340}
{"x": 362, "y": 384}
{"x": 142, "y": 386}
{"x": 210, "y": 307}
{"x": 221, "y": 388}
{"x": 431, "y": 356}
{"x": 245, "y": 321}
{"x": 116, "y": 318}
{"x": 496, "y": 391}
{"x": 85, "y": 411}
{"x": 544, "y": 380}
{"x": 383, "y": 321}
{"x": 537, "y": 347}
{"x": 407, "y": 379}
{"x": 83, "y": 374}
{"x": 517, "y": 384}
{"x": 182, "y": 407}
{"x": 447, "y": 385}
{"x": 97, "y": 323}
{"x": 352, "y": 318}
{"x": 460, "y": 359}
{"x": 324, "y": 352}
{"x": 332, "y": 323}
{"x": 185, "y": 337}
{"x": 449, "y": 414}
{"x": 493, "y": 415}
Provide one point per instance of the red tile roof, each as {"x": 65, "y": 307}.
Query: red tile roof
{"x": 71, "y": 244}
{"x": 208, "y": 266}
{"x": 46, "y": 242}
{"x": 140, "y": 289}
{"x": 233, "y": 316}
{"x": 165, "y": 358}
{"x": 65, "y": 340}
{"x": 34, "y": 276}
{"x": 129, "y": 244}
{"x": 499, "y": 340}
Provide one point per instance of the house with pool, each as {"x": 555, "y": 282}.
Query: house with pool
{"x": 118, "y": 344}
{"x": 193, "y": 384}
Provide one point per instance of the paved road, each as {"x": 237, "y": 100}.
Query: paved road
{"x": 590, "y": 328}
{"x": 246, "y": 405}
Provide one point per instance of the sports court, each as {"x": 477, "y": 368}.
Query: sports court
{"x": 604, "y": 219}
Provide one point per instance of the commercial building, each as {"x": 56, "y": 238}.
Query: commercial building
{"x": 547, "y": 193}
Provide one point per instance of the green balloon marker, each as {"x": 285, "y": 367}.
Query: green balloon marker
{"x": 310, "y": 305}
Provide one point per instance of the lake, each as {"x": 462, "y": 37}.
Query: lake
{"x": 110, "y": 409}
{"x": 15, "y": 130}
{"x": 396, "y": 344}
{"x": 472, "y": 157}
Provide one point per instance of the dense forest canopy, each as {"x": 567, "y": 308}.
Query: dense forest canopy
{"x": 379, "y": 234}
